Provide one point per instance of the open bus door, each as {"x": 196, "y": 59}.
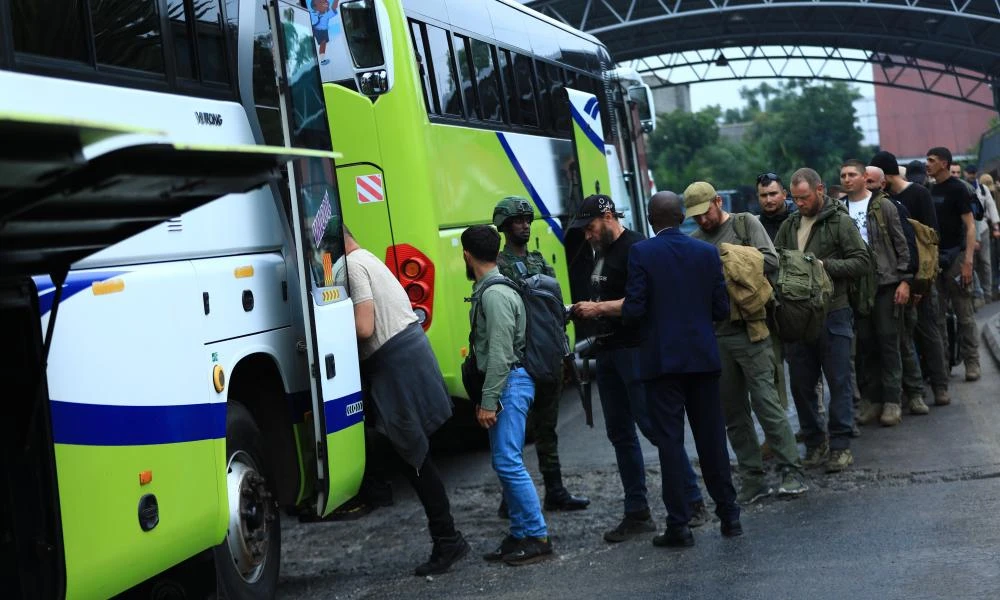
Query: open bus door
{"x": 317, "y": 221}
{"x": 69, "y": 189}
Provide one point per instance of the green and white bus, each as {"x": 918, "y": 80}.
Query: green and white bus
{"x": 442, "y": 107}
{"x": 202, "y": 373}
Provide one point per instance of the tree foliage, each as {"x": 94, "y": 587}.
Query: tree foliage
{"x": 798, "y": 124}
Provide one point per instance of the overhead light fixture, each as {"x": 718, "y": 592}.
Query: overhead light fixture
{"x": 721, "y": 61}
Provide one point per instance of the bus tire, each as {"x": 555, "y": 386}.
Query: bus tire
{"x": 247, "y": 561}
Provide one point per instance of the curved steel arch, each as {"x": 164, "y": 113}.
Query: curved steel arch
{"x": 961, "y": 35}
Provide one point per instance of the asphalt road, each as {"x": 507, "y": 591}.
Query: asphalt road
{"x": 918, "y": 516}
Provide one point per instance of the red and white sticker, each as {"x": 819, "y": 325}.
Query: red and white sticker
{"x": 369, "y": 188}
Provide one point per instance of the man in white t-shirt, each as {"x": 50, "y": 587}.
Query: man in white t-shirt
{"x": 406, "y": 404}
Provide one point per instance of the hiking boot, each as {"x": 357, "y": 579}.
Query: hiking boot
{"x": 892, "y": 414}
{"x": 916, "y": 405}
{"x": 560, "y": 499}
{"x": 972, "y": 372}
{"x": 699, "y": 515}
{"x": 941, "y": 396}
{"x": 870, "y": 412}
{"x": 529, "y": 550}
{"x": 508, "y": 545}
{"x": 839, "y": 460}
{"x": 446, "y": 552}
{"x": 676, "y": 536}
{"x": 792, "y": 484}
{"x": 816, "y": 456}
{"x": 632, "y": 525}
{"x": 753, "y": 490}
{"x": 731, "y": 528}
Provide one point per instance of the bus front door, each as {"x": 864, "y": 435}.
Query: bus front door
{"x": 317, "y": 223}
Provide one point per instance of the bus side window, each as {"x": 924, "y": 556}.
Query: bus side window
{"x": 443, "y": 72}
{"x": 128, "y": 34}
{"x": 211, "y": 47}
{"x": 183, "y": 46}
{"x": 488, "y": 84}
{"x": 560, "y": 114}
{"x": 63, "y": 25}
{"x": 525, "y": 73}
{"x": 545, "y": 120}
{"x": 510, "y": 87}
{"x": 420, "y": 51}
{"x": 467, "y": 76}
{"x": 265, "y": 87}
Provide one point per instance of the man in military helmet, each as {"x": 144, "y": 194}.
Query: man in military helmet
{"x": 512, "y": 217}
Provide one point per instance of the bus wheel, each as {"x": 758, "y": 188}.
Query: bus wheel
{"x": 247, "y": 561}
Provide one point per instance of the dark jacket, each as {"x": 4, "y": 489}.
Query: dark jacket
{"x": 772, "y": 223}
{"x": 892, "y": 255}
{"x": 836, "y": 241}
{"x": 676, "y": 289}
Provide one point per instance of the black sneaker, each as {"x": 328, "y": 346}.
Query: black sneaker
{"x": 676, "y": 536}
{"x": 529, "y": 550}
{"x": 446, "y": 552}
{"x": 508, "y": 545}
{"x": 560, "y": 499}
{"x": 631, "y": 526}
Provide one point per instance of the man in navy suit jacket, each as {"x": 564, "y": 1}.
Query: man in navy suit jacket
{"x": 676, "y": 289}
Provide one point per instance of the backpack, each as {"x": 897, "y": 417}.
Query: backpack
{"x": 545, "y": 340}
{"x": 740, "y": 228}
{"x": 802, "y": 295}
{"x": 908, "y": 233}
{"x": 927, "y": 252}
{"x": 975, "y": 203}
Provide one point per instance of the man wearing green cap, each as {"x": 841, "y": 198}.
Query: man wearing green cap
{"x": 512, "y": 217}
{"x": 747, "y": 361}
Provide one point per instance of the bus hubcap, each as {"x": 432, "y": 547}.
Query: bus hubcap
{"x": 251, "y": 513}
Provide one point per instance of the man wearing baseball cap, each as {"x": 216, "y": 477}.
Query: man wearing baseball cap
{"x": 622, "y": 393}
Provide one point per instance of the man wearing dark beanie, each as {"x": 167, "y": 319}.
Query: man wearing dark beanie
{"x": 925, "y": 332}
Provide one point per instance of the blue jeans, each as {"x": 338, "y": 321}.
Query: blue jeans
{"x": 506, "y": 443}
{"x": 623, "y": 401}
{"x": 831, "y": 354}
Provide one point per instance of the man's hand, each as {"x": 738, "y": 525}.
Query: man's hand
{"x": 486, "y": 418}
{"x": 966, "y": 273}
{"x": 996, "y": 231}
{"x": 902, "y": 293}
{"x": 586, "y": 310}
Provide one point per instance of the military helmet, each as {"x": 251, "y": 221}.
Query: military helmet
{"x": 511, "y": 206}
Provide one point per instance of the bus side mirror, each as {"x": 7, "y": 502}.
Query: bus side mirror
{"x": 369, "y": 40}
{"x": 642, "y": 96}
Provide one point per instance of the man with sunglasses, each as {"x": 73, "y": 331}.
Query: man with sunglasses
{"x": 774, "y": 204}
{"x": 512, "y": 217}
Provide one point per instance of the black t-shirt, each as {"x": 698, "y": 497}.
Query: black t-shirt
{"x": 607, "y": 282}
{"x": 951, "y": 201}
{"x": 918, "y": 201}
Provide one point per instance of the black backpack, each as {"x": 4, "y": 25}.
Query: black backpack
{"x": 545, "y": 342}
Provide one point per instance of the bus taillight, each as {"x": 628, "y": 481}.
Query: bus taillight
{"x": 416, "y": 273}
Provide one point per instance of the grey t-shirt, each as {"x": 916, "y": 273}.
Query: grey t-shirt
{"x": 372, "y": 280}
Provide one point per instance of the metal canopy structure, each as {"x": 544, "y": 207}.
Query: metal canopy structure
{"x": 953, "y": 45}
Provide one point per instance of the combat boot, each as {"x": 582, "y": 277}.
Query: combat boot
{"x": 447, "y": 551}
{"x": 870, "y": 412}
{"x": 972, "y": 372}
{"x": 941, "y": 396}
{"x": 892, "y": 414}
{"x": 916, "y": 405}
{"x": 558, "y": 497}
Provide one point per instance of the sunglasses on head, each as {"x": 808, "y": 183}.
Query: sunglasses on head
{"x": 767, "y": 178}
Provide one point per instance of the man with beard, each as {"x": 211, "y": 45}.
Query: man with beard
{"x": 512, "y": 216}
{"x": 747, "y": 380}
{"x": 622, "y": 392}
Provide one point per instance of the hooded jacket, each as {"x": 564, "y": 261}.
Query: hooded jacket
{"x": 836, "y": 241}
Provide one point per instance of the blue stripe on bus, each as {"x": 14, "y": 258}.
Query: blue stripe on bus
{"x": 595, "y": 139}
{"x": 75, "y": 283}
{"x": 343, "y": 412}
{"x": 553, "y": 223}
{"x": 107, "y": 425}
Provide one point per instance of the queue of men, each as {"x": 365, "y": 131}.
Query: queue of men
{"x": 698, "y": 325}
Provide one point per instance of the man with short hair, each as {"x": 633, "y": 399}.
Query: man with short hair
{"x": 408, "y": 407}
{"x": 823, "y": 227}
{"x": 958, "y": 244}
{"x": 622, "y": 393}
{"x": 920, "y": 322}
{"x": 747, "y": 364}
{"x": 774, "y": 203}
{"x": 512, "y": 216}
{"x": 880, "y": 365}
{"x": 675, "y": 290}
{"x": 498, "y": 323}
